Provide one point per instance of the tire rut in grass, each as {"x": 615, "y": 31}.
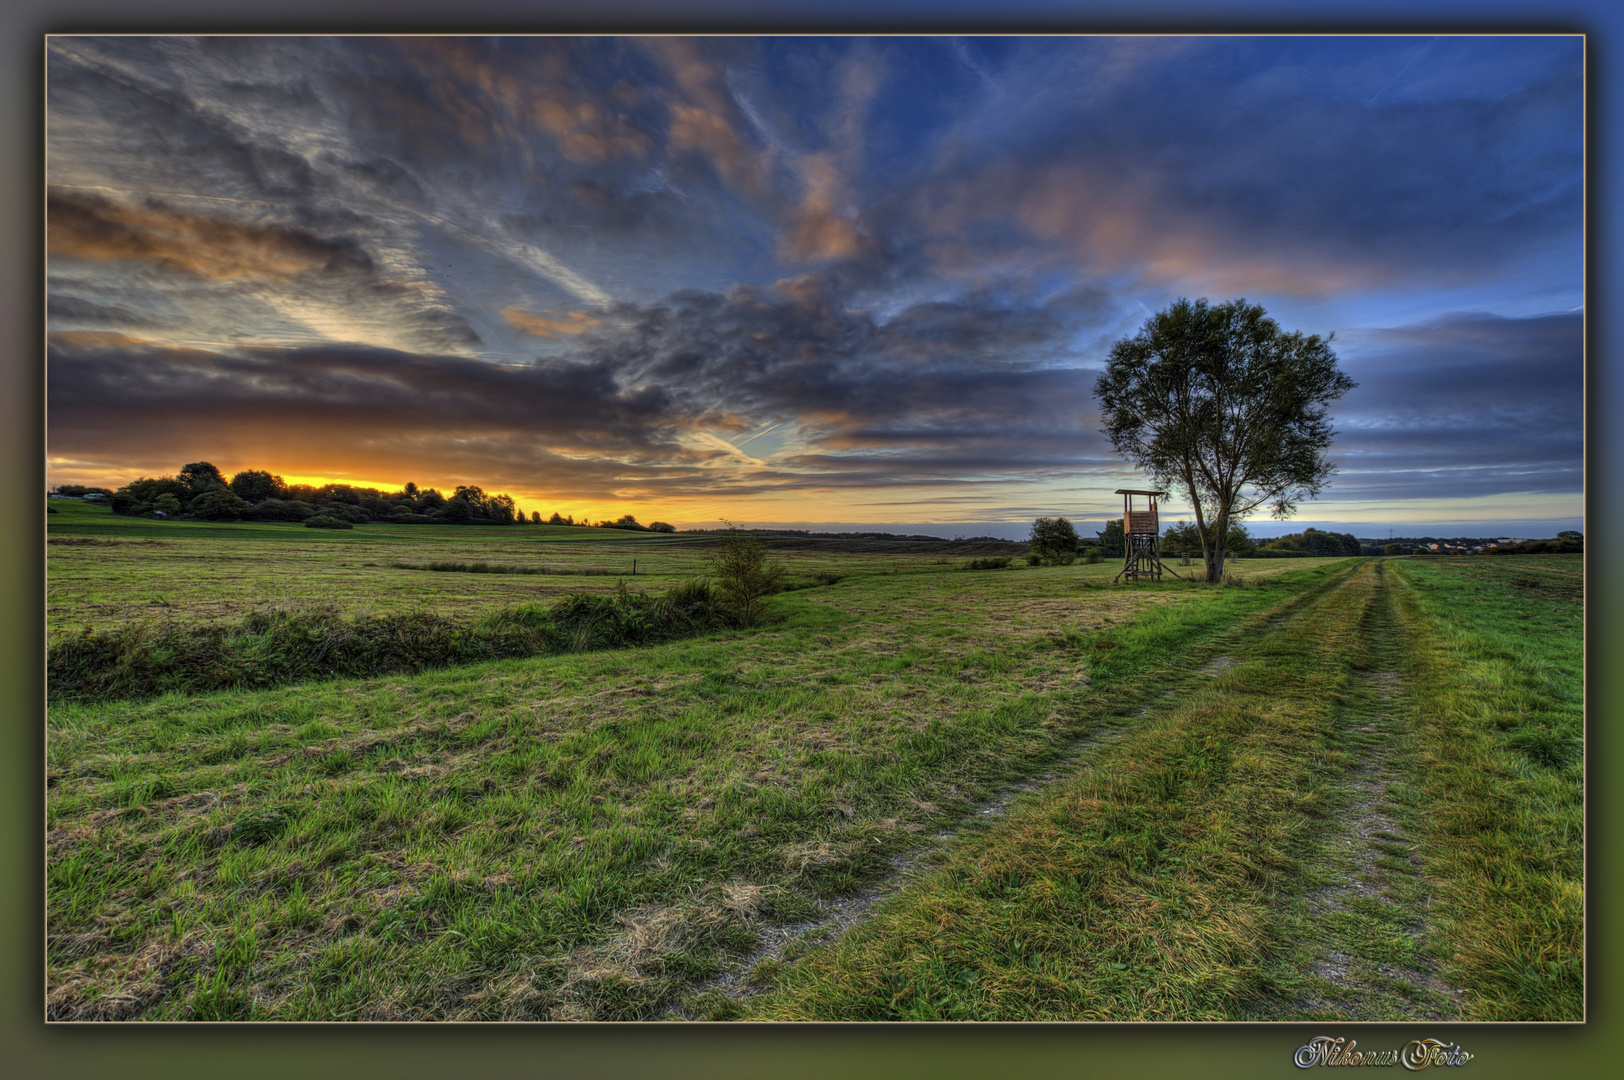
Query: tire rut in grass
{"x": 1204, "y": 661}
{"x": 1372, "y": 956}
{"x": 839, "y": 914}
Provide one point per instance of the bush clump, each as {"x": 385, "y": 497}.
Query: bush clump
{"x": 990, "y": 562}
{"x": 282, "y": 510}
{"x": 221, "y": 504}
{"x": 327, "y": 521}
{"x": 745, "y": 578}
{"x": 275, "y": 648}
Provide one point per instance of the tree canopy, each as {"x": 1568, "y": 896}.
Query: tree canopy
{"x": 1220, "y": 404}
{"x": 1054, "y": 540}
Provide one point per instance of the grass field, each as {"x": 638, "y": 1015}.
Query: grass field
{"x": 1346, "y": 789}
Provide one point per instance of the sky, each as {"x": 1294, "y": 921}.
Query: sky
{"x": 827, "y": 282}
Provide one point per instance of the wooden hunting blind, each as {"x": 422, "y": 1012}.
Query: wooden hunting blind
{"x": 1141, "y": 538}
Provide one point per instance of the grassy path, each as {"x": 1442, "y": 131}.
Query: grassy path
{"x": 1366, "y": 944}
{"x": 1145, "y": 884}
{"x": 1304, "y": 837}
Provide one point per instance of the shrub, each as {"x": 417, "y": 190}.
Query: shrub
{"x": 745, "y": 578}
{"x": 274, "y": 648}
{"x": 991, "y": 562}
{"x": 344, "y": 512}
{"x": 282, "y": 510}
{"x": 327, "y": 521}
{"x": 660, "y": 526}
{"x": 221, "y": 504}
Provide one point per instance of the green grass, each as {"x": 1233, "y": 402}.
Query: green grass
{"x": 1295, "y": 840}
{"x": 107, "y": 571}
{"x": 1495, "y": 679}
{"x": 568, "y": 836}
{"x": 1141, "y": 888}
{"x": 614, "y": 834}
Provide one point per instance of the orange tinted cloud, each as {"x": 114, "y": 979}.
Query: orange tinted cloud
{"x": 93, "y": 337}
{"x": 574, "y": 322}
{"x": 589, "y": 133}
{"x": 713, "y": 137}
{"x": 1123, "y": 223}
{"x": 483, "y": 99}
{"x": 821, "y": 229}
{"x": 89, "y": 227}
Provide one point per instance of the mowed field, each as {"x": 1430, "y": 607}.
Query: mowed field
{"x": 1338, "y": 789}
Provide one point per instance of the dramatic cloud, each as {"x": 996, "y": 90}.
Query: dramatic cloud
{"x": 86, "y": 227}
{"x": 1468, "y": 405}
{"x": 940, "y": 393}
{"x": 826, "y": 269}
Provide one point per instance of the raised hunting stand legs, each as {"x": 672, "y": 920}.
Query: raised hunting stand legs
{"x": 1141, "y": 539}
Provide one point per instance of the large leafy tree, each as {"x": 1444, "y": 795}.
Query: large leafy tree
{"x": 200, "y": 476}
{"x": 1220, "y": 404}
{"x": 257, "y": 485}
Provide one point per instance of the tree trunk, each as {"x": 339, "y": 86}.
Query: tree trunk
{"x": 1214, "y": 552}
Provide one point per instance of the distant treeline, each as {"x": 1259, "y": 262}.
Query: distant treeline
{"x": 199, "y": 490}
{"x": 861, "y": 535}
{"x": 1568, "y": 541}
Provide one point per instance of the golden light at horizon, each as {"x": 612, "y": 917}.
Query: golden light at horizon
{"x": 919, "y": 506}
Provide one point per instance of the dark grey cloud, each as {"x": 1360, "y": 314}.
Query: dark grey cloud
{"x": 942, "y": 392}
{"x": 80, "y": 310}
{"x": 938, "y": 372}
{"x": 1467, "y": 405}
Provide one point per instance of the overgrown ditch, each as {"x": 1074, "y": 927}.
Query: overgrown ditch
{"x": 281, "y": 647}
